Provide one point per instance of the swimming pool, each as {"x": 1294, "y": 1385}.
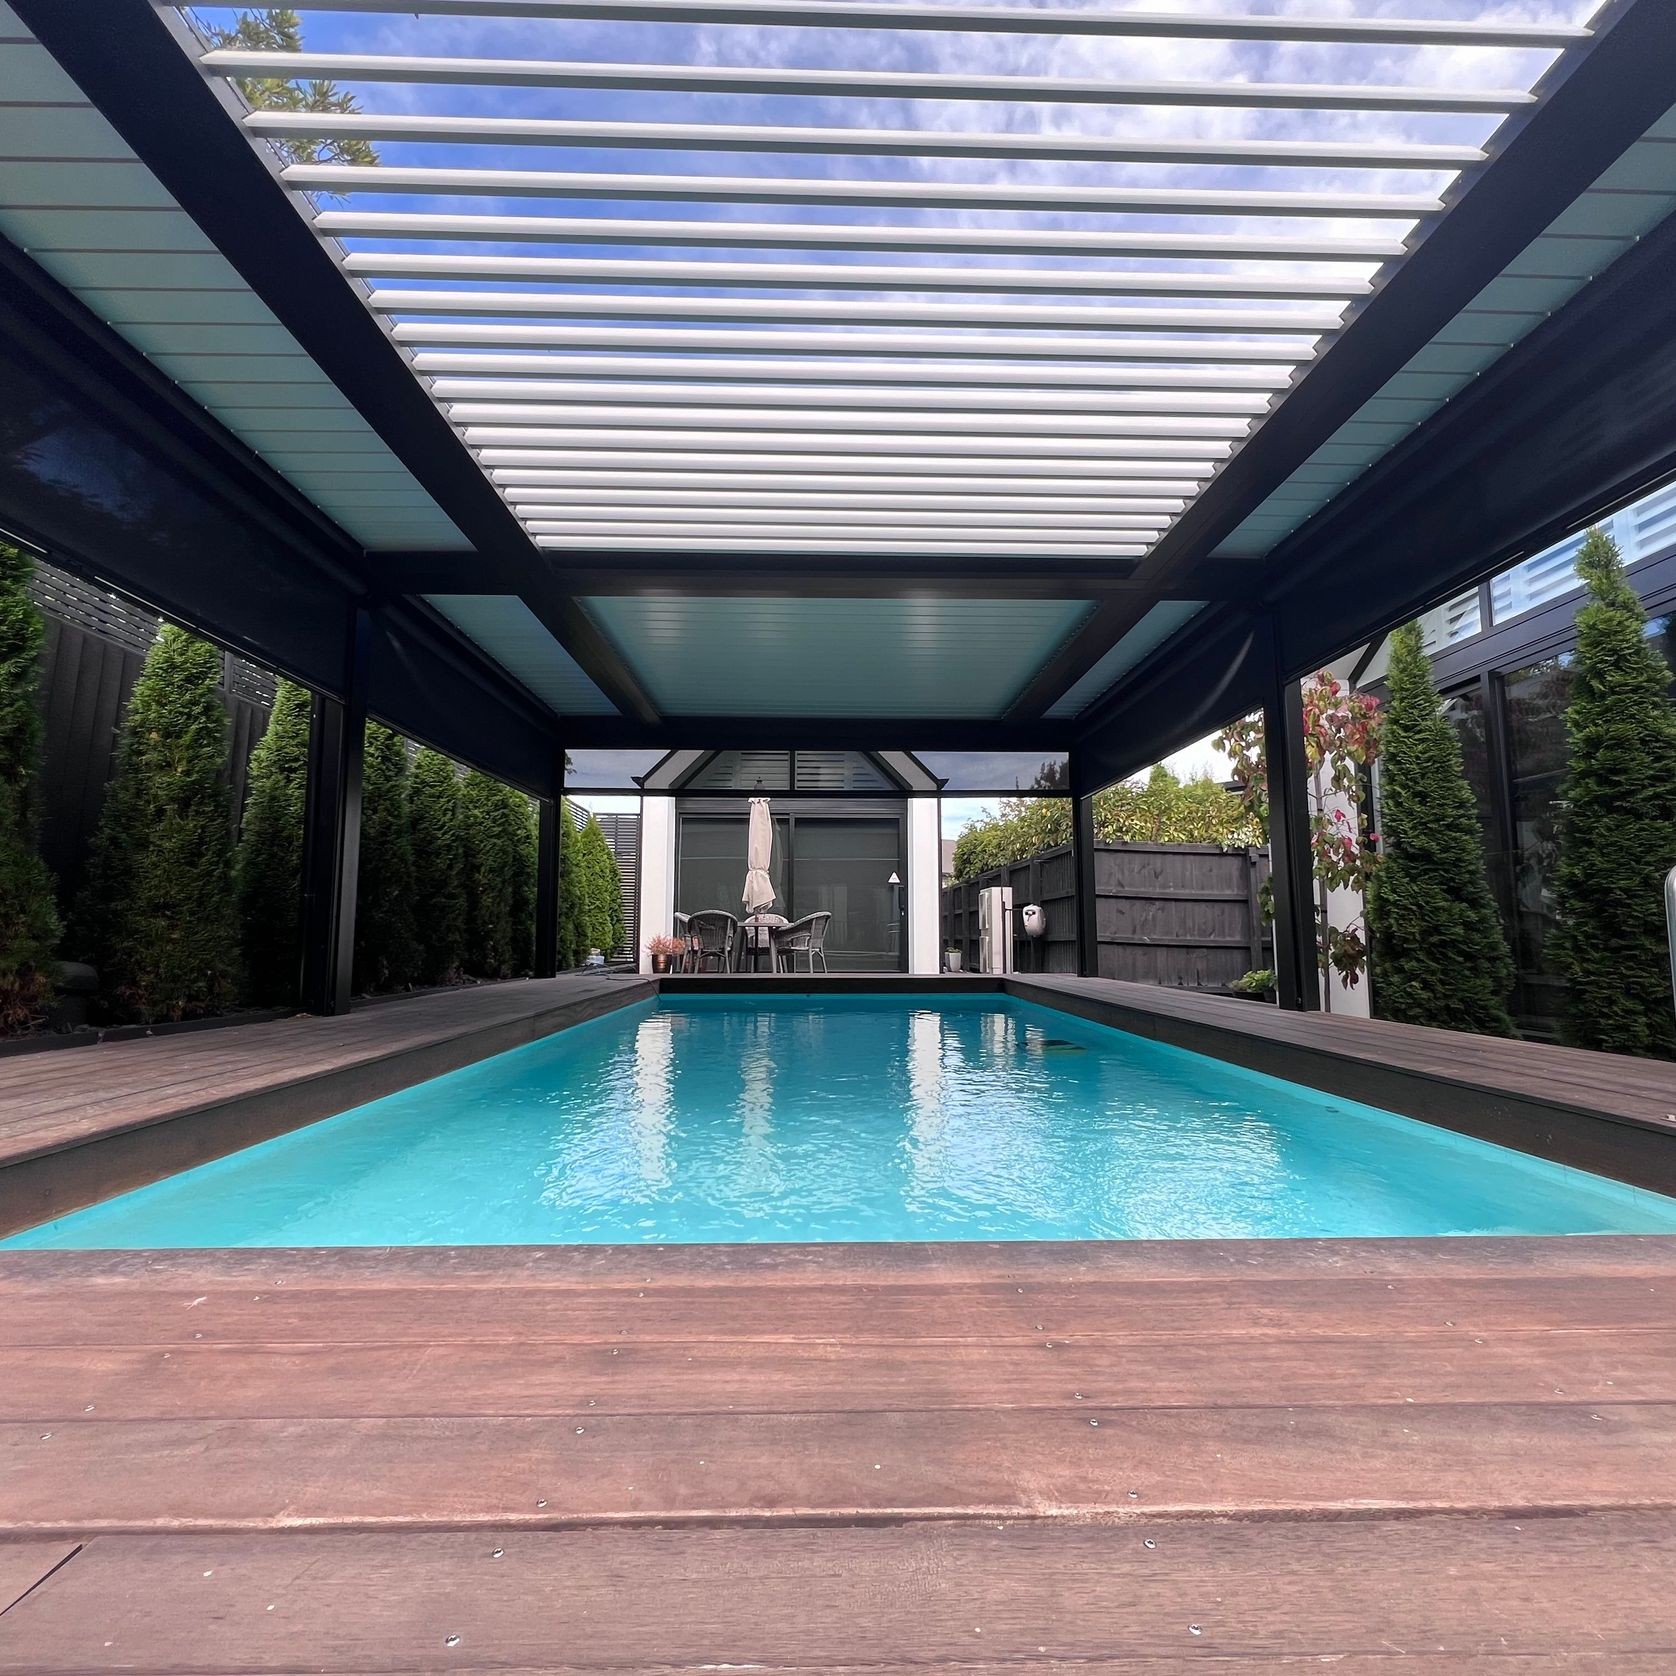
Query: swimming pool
{"x": 733, "y": 1118}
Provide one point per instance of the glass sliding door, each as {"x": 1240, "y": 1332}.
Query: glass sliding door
{"x": 843, "y": 867}
{"x": 824, "y": 861}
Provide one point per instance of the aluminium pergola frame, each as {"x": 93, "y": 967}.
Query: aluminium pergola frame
{"x": 1260, "y": 628}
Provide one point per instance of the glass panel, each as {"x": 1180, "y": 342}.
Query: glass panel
{"x": 1537, "y": 750}
{"x": 608, "y": 770}
{"x": 1464, "y": 711}
{"x": 1455, "y": 620}
{"x": 710, "y": 864}
{"x": 844, "y": 867}
{"x": 1006, "y": 772}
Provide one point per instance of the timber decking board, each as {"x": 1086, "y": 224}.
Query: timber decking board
{"x": 1472, "y": 1595}
{"x": 1455, "y": 1457}
{"x": 467, "y": 1378}
{"x": 1601, "y": 1084}
{"x": 51, "y": 1100}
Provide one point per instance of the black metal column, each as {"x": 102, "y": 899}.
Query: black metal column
{"x": 1292, "y": 875}
{"x": 547, "y": 864}
{"x": 332, "y": 829}
{"x": 1082, "y": 858}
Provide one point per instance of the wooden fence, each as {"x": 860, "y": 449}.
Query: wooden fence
{"x": 1183, "y": 915}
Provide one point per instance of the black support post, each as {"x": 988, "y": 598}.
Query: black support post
{"x": 1082, "y": 857}
{"x": 547, "y": 887}
{"x": 332, "y": 829}
{"x": 1292, "y": 875}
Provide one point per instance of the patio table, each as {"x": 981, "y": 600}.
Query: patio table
{"x": 754, "y": 941}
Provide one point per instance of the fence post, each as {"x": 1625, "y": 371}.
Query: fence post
{"x": 332, "y": 827}
{"x": 1291, "y": 873}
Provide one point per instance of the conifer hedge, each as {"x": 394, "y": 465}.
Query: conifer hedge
{"x": 159, "y": 917}
{"x": 489, "y": 867}
{"x": 1439, "y": 953}
{"x": 386, "y": 941}
{"x": 436, "y": 819}
{"x": 1618, "y": 829}
{"x": 28, "y": 912}
{"x": 270, "y": 852}
{"x": 601, "y": 889}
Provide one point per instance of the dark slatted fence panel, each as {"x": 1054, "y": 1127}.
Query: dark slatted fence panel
{"x": 1183, "y": 915}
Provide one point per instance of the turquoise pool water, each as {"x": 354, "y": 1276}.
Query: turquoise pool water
{"x": 884, "y": 1118}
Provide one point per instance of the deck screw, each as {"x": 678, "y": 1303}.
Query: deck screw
{"x": 450, "y": 1641}
{"x": 1148, "y": 1543}
{"x": 497, "y": 1553}
{"x": 1193, "y": 1629}
{"x": 541, "y": 1503}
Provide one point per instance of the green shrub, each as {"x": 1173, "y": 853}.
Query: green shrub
{"x": 386, "y": 944}
{"x": 159, "y": 917}
{"x": 28, "y": 913}
{"x": 270, "y": 853}
{"x": 1439, "y": 953}
{"x": 1618, "y": 830}
{"x": 436, "y": 819}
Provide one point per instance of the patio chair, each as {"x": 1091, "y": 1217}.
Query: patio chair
{"x": 678, "y": 928}
{"x": 806, "y": 936}
{"x": 711, "y": 935}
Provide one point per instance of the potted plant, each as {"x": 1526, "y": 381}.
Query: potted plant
{"x": 952, "y": 957}
{"x": 665, "y": 951}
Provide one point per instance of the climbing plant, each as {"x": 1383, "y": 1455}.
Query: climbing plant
{"x": 1342, "y": 731}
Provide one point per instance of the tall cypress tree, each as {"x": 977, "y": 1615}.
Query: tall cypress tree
{"x": 1439, "y": 953}
{"x": 1618, "y": 831}
{"x": 160, "y": 914}
{"x": 489, "y": 869}
{"x": 270, "y": 853}
{"x": 386, "y": 943}
{"x": 602, "y": 887}
{"x": 518, "y": 816}
{"x": 574, "y": 915}
{"x": 28, "y": 914}
{"x": 437, "y": 822}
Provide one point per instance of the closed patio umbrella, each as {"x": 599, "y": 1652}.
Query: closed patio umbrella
{"x": 759, "y": 890}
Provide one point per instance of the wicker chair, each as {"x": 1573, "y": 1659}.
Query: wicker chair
{"x": 711, "y": 935}
{"x": 806, "y": 935}
{"x": 678, "y": 927}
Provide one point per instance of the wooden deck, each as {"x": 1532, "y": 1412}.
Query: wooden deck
{"x": 1385, "y": 1457}
{"x": 82, "y": 1123}
{"x": 1376, "y": 1457}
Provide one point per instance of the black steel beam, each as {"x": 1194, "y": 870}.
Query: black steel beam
{"x": 1597, "y": 100}
{"x": 548, "y": 860}
{"x": 857, "y": 733}
{"x": 132, "y": 59}
{"x": 332, "y": 825}
{"x": 1573, "y": 422}
{"x": 1087, "y": 899}
{"x": 110, "y": 471}
{"x": 1291, "y": 872}
{"x": 808, "y": 576}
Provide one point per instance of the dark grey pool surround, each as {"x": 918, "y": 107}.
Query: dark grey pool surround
{"x": 1612, "y": 1116}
